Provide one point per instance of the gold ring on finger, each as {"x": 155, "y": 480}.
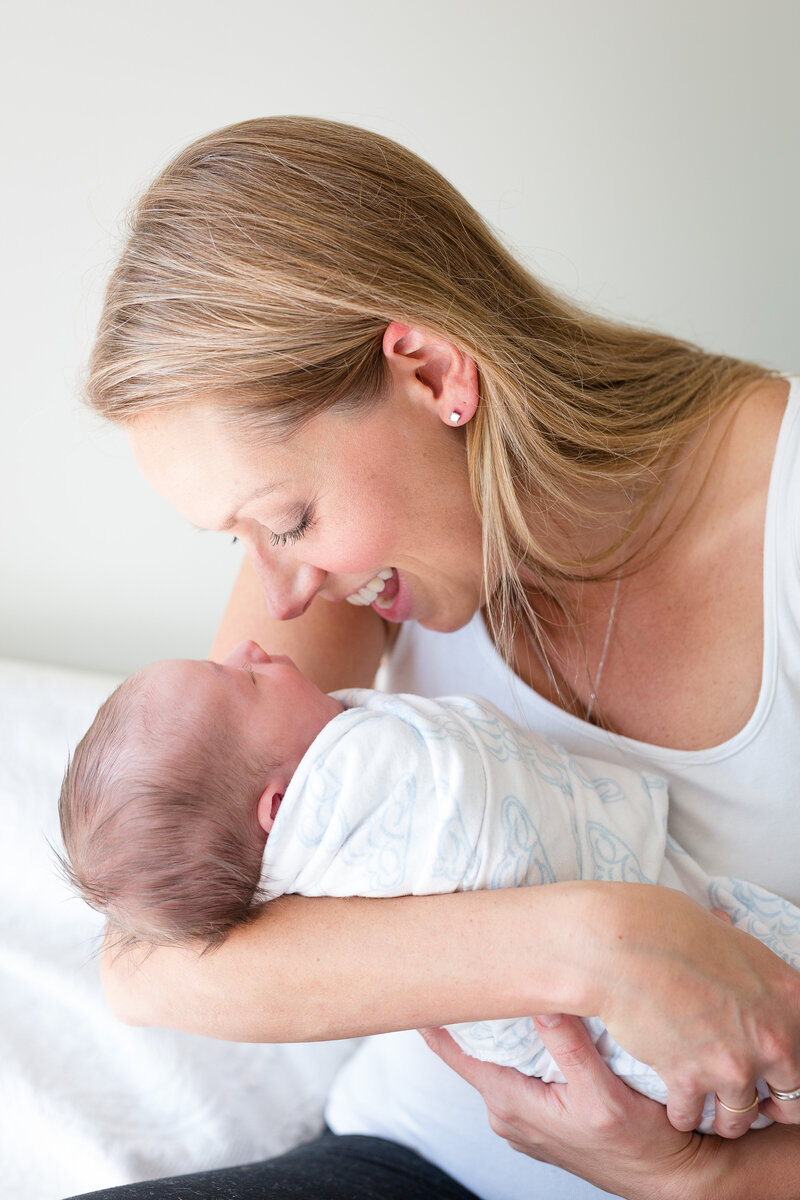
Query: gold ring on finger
{"x": 794, "y": 1094}
{"x": 750, "y": 1107}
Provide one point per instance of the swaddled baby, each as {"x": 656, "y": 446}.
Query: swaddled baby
{"x": 203, "y": 789}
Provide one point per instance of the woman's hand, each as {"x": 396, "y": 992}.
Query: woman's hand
{"x": 707, "y": 1006}
{"x": 594, "y": 1126}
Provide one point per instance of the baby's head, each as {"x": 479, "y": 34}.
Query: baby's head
{"x": 169, "y": 797}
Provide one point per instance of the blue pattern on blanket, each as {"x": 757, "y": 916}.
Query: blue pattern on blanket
{"x": 455, "y": 859}
{"x": 613, "y": 858}
{"x": 446, "y": 726}
{"x": 501, "y": 741}
{"x": 609, "y": 790}
{"x": 525, "y": 860}
{"x": 489, "y": 1036}
{"x": 654, "y": 783}
{"x": 379, "y": 845}
{"x": 552, "y": 766}
{"x": 486, "y": 731}
{"x": 773, "y": 920}
{"x": 496, "y": 737}
{"x": 319, "y": 813}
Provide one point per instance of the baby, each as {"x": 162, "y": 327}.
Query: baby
{"x": 202, "y": 789}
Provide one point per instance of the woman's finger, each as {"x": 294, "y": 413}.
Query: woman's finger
{"x": 685, "y": 1109}
{"x": 736, "y": 1113}
{"x": 570, "y": 1044}
{"x": 787, "y": 1111}
{"x": 490, "y": 1079}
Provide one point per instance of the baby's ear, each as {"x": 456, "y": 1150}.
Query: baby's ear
{"x": 268, "y": 805}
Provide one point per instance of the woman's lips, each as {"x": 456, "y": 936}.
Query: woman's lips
{"x": 385, "y": 600}
{"x": 368, "y": 593}
{"x": 385, "y": 594}
{"x": 394, "y": 604}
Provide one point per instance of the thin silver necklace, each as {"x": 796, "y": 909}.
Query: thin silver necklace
{"x": 599, "y": 672}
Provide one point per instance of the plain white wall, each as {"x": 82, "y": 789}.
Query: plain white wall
{"x": 640, "y": 154}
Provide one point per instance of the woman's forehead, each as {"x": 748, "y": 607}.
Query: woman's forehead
{"x": 195, "y": 458}
{"x": 193, "y": 433}
{"x": 197, "y": 463}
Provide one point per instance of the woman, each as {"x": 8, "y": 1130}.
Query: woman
{"x": 315, "y": 343}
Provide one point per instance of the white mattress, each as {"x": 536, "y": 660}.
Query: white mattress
{"x": 87, "y": 1102}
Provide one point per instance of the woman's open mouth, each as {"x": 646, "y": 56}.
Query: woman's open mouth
{"x": 380, "y": 591}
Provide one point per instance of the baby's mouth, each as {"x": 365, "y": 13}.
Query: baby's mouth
{"x": 380, "y": 591}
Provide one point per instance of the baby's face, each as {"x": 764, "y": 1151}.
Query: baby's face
{"x": 269, "y": 709}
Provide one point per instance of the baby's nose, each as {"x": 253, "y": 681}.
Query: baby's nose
{"x": 246, "y": 652}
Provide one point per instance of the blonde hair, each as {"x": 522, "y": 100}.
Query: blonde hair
{"x": 264, "y": 264}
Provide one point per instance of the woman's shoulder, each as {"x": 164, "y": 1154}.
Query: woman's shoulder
{"x": 752, "y": 453}
{"x": 692, "y": 627}
{"x": 758, "y": 415}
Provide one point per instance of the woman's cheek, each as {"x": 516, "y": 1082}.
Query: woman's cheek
{"x": 356, "y": 550}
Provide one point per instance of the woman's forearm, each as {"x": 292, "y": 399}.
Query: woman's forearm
{"x": 708, "y": 1007}
{"x": 310, "y": 969}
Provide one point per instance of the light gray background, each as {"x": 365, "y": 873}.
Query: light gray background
{"x": 640, "y": 154}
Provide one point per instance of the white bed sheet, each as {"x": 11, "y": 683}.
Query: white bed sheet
{"x": 87, "y": 1102}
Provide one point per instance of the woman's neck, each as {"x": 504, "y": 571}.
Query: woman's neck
{"x": 630, "y": 523}
{"x": 688, "y": 609}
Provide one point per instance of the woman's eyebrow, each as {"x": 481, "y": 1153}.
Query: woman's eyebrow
{"x": 230, "y": 521}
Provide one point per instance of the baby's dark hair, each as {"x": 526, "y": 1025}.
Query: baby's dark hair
{"x": 159, "y": 823}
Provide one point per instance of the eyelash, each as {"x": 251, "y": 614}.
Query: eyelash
{"x": 293, "y": 535}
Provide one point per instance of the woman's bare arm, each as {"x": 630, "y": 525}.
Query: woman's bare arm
{"x": 336, "y": 645}
{"x": 307, "y": 969}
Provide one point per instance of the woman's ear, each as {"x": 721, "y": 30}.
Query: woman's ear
{"x": 432, "y": 369}
{"x": 267, "y": 808}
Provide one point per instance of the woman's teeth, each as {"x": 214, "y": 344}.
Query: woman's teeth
{"x": 369, "y": 593}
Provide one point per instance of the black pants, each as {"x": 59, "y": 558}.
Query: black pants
{"x": 350, "y": 1167}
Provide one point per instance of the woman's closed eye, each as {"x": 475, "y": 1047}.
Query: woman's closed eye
{"x": 293, "y": 535}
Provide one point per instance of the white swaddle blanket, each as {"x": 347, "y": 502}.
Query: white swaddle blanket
{"x": 401, "y": 795}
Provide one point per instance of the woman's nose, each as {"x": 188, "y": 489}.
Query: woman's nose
{"x": 289, "y": 587}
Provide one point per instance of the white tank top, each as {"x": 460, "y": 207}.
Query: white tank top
{"x": 733, "y": 807}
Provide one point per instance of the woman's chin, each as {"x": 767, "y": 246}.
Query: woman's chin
{"x": 448, "y": 622}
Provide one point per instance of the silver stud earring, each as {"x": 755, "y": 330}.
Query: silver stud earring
{"x": 455, "y": 417}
